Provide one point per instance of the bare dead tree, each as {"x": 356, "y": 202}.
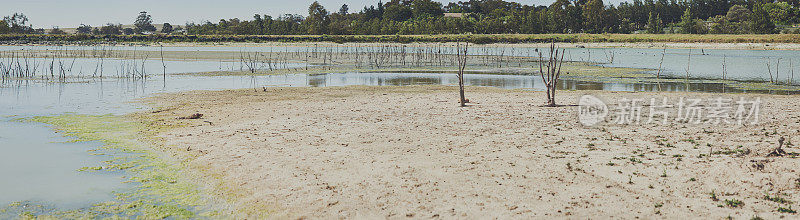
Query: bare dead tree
{"x": 143, "y": 73}
{"x": 664, "y": 52}
{"x": 249, "y": 60}
{"x": 163, "y": 64}
{"x": 462, "y": 64}
{"x": 791, "y": 68}
{"x": 778, "y": 71}
{"x": 769, "y": 70}
{"x": 609, "y": 56}
{"x": 550, "y": 77}
{"x": 688, "y": 64}
{"x": 724, "y": 68}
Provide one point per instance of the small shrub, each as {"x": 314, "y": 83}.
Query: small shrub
{"x": 734, "y": 203}
{"x": 786, "y": 210}
{"x": 777, "y": 199}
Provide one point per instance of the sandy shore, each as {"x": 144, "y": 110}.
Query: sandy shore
{"x": 398, "y": 152}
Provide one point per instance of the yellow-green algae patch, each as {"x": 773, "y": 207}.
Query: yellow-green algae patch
{"x": 159, "y": 190}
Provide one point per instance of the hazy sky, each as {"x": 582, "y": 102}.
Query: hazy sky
{"x": 71, "y": 13}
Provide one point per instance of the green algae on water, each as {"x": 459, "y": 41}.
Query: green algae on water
{"x": 159, "y": 190}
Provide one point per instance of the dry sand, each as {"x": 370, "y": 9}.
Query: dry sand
{"x": 398, "y": 152}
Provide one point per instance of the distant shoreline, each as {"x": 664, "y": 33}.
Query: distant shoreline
{"x": 477, "y": 39}
{"x": 642, "y": 45}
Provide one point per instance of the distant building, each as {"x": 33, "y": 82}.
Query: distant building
{"x": 454, "y": 15}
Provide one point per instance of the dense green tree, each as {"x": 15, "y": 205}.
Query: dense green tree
{"x": 56, "y": 31}
{"x": 144, "y": 23}
{"x": 380, "y": 8}
{"x": 453, "y": 7}
{"x": 738, "y": 13}
{"x": 4, "y": 28}
{"x": 722, "y": 25}
{"x": 574, "y": 18}
{"x": 397, "y": 12}
{"x": 344, "y": 10}
{"x": 128, "y": 31}
{"x": 704, "y": 9}
{"x": 166, "y": 28}
{"x": 759, "y": 21}
{"x": 317, "y": 20}
{"x": 559, "y": 16}
{"x": 426, "y": 8}
{"x": 780, "y": 12}
{"x": 654, "y": 25}
{"x": 612, "y": 22}
{"x": 593, "y": 16}
{"x": 84, "y": 29}
{"x": 688, "y": 24}
{"x": 18, "y": 24}
{"x": 109, "y": 29}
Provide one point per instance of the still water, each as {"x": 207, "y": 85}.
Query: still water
{"x": 702, "y": 63}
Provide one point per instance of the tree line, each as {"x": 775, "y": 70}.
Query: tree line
{"x": 403, "y": 17}
{"x": 406, "y": 17}
{"x": 18, "y": 24}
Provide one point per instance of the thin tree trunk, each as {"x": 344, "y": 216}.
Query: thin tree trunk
{"x": 688, "y": 64}
{"x": 724, "y": 68}
{"x": 462, "y": 63}
{"x": 769, "y": 70}
{"x": 163, "y": 64}
{"x": 791, "y": 67}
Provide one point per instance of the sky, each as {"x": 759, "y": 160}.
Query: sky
{"x": 71, "y": 13}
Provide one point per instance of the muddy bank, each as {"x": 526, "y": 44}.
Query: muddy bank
{"x": 411, "y": 152}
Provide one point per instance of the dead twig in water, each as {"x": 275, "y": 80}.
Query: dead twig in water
{"x": 658, "y": 75}
{"x": 724, "y": 68}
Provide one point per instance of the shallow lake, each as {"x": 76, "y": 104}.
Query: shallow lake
{"x": 703, "y": 63}
{"x": 37, "y": 165}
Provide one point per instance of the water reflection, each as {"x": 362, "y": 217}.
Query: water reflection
{"x": 512, "y": 82}
{"x": 705, "y": 63}
{"x": 112, "y": 96}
